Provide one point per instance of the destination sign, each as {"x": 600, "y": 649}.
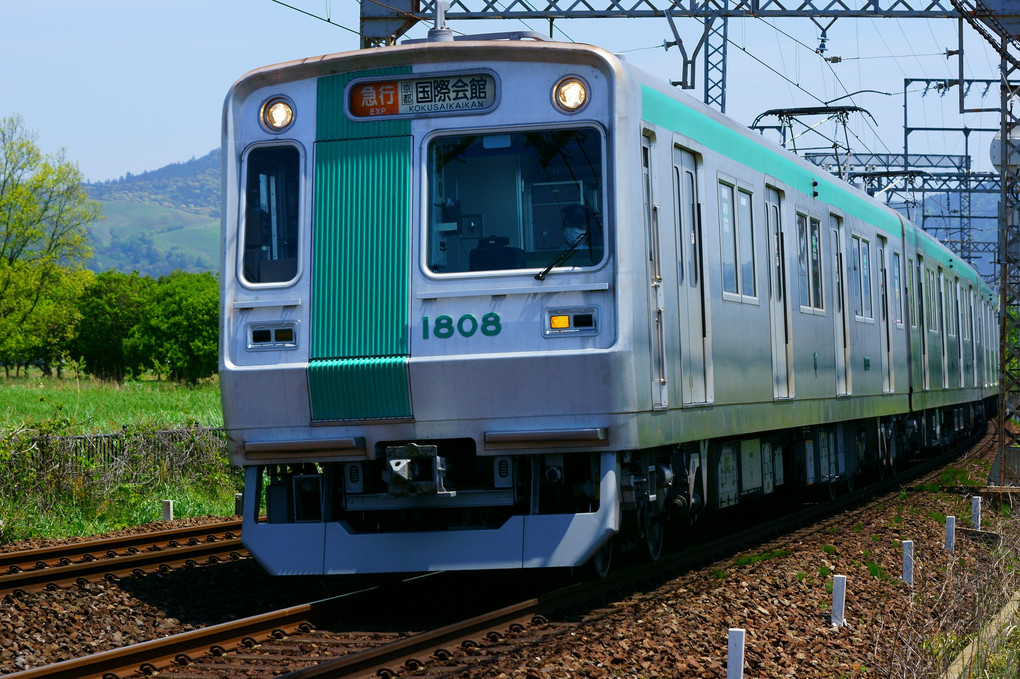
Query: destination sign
{"x": 415, "y": 96}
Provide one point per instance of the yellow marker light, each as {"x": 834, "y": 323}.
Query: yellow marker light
{"x": 277, "y": 114}
{"x": 571, "y": 94}
{"x": 559, "y": 322}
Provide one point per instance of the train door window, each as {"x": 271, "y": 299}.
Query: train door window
{"x": 745, "y": 245}
{"x": 690, "y": 210}
{"x": 272, "y": 197}
{"x": 968, "y": 319}
{"x": 897, "y": 291}
{"x": 773, "y": 225}
{"x": 682, "y": 221}
{"x": 809, "y": 262}
{"x": 515, "y": 200}
{"x": 860, "y": 277}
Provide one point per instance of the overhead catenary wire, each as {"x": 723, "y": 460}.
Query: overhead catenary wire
{"x": 326, "y": 19}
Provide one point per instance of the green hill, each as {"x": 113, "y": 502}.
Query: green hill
{"x": 160, "y": 221}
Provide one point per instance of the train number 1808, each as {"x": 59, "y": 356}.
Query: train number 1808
{"x": 467, "y": 325}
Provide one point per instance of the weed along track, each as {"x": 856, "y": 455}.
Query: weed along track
{"x": 773, "y": 578}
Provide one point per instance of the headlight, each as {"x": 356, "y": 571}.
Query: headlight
{"x": 571, "y": 94}
{"x": 277, "y": 114}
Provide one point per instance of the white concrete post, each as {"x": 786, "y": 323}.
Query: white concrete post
{"x": 908, "y": 562}
{"x": 975, "y": 512}
{"x": 168, "y": 510}
{"x": 951, "y": 534}
{"x": 838, "y": 600}
{"x": 735, "y": 658}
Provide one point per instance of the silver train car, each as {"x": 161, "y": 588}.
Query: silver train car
{"x": 502, "y": 303}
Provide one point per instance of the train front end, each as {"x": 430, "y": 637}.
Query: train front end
{"x": 419, "y": 314}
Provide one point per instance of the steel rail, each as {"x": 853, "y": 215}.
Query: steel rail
{"x": 119, "y": 566}
{"x": 149, "y": 656}
{"x": 108, "y": 547}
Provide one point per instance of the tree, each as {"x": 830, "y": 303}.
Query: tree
{"x": 179, "y": 329}
{"x": 111, "y": 306}
{"x": 44, "y": 219}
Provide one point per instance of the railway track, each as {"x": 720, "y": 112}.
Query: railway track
{"x": 118, "y": 557}
{"x": 302, "y": 635}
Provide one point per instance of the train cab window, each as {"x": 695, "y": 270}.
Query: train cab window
{"x": 517, "y": 200}
{"x": 272, "y": 196}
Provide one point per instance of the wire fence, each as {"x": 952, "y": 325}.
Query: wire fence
{"x": 33, "y": 462}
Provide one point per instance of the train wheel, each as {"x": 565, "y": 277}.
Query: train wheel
{"x": 600, "y": 563}
{"x": 655, "y": 536}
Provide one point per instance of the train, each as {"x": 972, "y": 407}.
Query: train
{"x": 504, "y": 302}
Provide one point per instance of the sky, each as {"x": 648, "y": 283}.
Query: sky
{"x": 133, "y": 85}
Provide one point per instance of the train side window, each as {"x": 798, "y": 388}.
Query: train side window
{"x": 897, "y": 291}
{"x": 932, "y": 304}
{"x": 272, "y": 197}
{"x": 809, "y": 262}
{"x": 952, "y": 309}
{"x": 860, "y": 277}
{"x": 737, "y": 234}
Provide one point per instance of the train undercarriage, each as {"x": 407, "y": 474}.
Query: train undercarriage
{"x": 414, "y": 492}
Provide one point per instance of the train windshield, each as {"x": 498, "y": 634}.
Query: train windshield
{"x": 517, "y": 200}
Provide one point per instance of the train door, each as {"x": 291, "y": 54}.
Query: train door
{"x": 839, "y": 329}
{"x": 660, "y": 395}
{"x": 972, "y": 332}
{"x": 883, "y": 316}
{"x": 779, "y": 303}
{"x": 960, "y": 334}
{"x": 924, "y": 309}
{"x": 690, "y": 264}
{"x": 943, "y": 316}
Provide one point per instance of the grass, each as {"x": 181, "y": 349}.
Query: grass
{"x": 877, "y": 571}
{"x": 86, "y": 406}
{"x": 764, "y": 556}
{"x": 39, "y": 501}
{"x": 125, "y": 507}
{"x": 957, "y": 476}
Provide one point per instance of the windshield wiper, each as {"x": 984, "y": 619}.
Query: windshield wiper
{"x": 562, "y": 257}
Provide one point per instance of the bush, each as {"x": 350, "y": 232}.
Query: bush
{"x": 64, "y": 485}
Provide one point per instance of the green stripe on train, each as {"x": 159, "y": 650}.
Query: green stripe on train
{"x": 660, "y": 109}
{"x": 359, "y": 388}
{"x": 360, "y": 262}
